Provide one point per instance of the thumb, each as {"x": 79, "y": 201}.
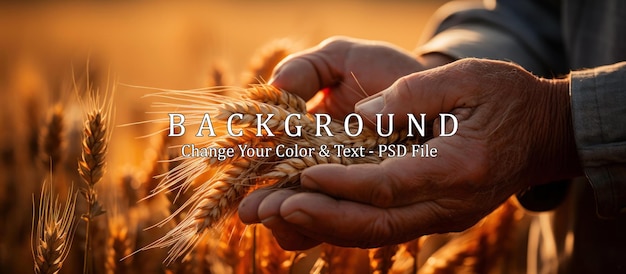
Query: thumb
{"x": 298, "y": 75}
{"x": 419, "y": 92}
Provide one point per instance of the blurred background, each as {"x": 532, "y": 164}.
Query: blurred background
{"x": 51, "y": 51}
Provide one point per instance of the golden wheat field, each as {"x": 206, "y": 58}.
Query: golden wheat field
{"x": 84, "y": 183}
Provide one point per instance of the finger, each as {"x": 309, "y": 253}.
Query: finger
{"x": 373, "y": 184}
{"x": 270, "y": 205}
{"x": 298, "y": 75}
{"x": 430, "y": 92}
{"x": 400, "y": 181}
{"x": 287, "y": 237}
{"x": 310, "y": 71}
{"x": 309, "y": 76}
{"x": 249, "y": 206}
{"x": 351, "y": 224}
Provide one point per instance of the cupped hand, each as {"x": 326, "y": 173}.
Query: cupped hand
{"x": 514, "y": 131}
{"x": 344, "y": 70}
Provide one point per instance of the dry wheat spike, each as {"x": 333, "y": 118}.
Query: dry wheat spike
{"x": 219, "y": 185}
{"x": 266, "y": 58}
{"x": 53, "y": 237}
{"x": 51, "y": 141}
{"x": 92, "y": 164}
{"x": 118, "y": 245}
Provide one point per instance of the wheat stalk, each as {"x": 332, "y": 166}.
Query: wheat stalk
{"x": 92, "y": 165}
{"x": 53, "y": 237}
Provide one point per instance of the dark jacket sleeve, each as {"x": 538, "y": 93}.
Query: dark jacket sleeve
{"x": 525, "y": 32}
{"x": 599, "y": 117}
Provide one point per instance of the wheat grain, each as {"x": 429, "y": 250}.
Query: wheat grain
{"x": 271, "y": 95}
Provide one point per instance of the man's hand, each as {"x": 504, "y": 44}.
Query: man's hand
{"x": 514, "y": 130}
{"x": 338, "y": 65}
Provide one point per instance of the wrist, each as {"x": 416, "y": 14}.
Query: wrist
{"x": 557, "y": 156}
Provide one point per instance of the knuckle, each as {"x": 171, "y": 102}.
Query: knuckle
{"x": 334, "y": 40}
{"x": 403, "y": 91}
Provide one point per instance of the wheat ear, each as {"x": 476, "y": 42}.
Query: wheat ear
{"x": 51, "y": 142}
{"x": 92, "y": 165}
{"x": 219, "y": 186}
{"x": 54, "y": 234}
{"x": 265, "y": 59}
{"x": 118, "y": 246}
{"x": 277, "y": 97}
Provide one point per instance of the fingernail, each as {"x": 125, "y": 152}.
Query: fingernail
{"x": 299, "y": 218}
{"x": 371, "y": 105}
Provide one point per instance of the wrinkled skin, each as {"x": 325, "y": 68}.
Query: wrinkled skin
{"x": 514, "y": 131}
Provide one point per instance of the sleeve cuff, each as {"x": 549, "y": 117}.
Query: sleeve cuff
{"x": 599, "y": 118}
{"x": 482, "y": 41}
